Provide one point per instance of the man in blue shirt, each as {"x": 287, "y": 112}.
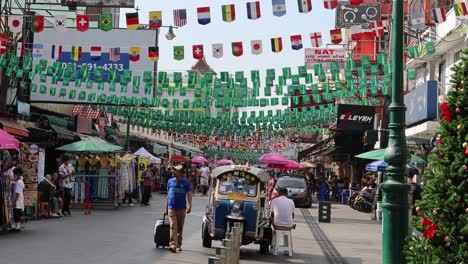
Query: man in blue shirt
{"x": 179, "y": 191}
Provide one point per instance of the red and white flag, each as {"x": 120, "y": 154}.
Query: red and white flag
{"x": 316, "y": 39}
{"x": 330, "y": 4}
{"x": 20, "y": 49}
{"x": 3, "y": 46}
{"x": 356, "y": 32}
{"x": 356, "y": 2}
{"x": 378, "y": 28}
{"x": 15, "y": 24}
{"x": 197, "y": 51}
{"x": 82, "y": 22}
{"x": 256, "y": 47}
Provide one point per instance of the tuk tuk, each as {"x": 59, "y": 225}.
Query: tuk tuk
{"x": 238, "y": 195}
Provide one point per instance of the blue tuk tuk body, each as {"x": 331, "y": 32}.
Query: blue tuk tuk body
{"x": 238, "y": 196}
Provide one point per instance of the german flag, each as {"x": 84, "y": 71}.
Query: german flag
{"x": 132, "y": 21}
{"x": 153, "y": 53}
{"x": 276, "y": 45}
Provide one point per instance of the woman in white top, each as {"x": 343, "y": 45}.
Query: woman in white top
{"x": 19, "y": 199}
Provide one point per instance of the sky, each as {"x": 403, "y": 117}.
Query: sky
{"x": 242, "y": 29}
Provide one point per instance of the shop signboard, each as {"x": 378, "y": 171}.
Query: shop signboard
{"x": 29, "y": 163}
{"x": 143, "y": 162}
{"x": 348, "y": 15}
{"x": 104, "y": 59}
{"x": 355, "y": 118}
{"x": 100, "y": 3}
{"x": 317, "y": 55}
{"x": 421, "y": 103}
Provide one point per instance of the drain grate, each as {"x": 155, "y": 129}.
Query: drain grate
{"x": 331, "y": 253}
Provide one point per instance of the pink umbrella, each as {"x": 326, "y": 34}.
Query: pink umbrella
{"x": 199, "y": 159}
{"x": 274, "y": 158}
{"x": 224, "y": 162}
{"x": 290, "y": 165}
{"x": 7, "y": 141}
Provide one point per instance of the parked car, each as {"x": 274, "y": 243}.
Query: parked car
{"x": 297, "y": 189}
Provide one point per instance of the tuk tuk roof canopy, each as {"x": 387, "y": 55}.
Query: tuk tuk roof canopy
{"x": 259, "y": 173}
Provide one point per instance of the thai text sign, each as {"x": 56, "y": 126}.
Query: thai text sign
{"x": 324, "y": 55}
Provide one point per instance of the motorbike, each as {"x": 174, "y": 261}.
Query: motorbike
{"x": 362, "y": 201}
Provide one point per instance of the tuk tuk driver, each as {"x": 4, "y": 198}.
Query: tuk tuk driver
{"x": 282, "y": 211}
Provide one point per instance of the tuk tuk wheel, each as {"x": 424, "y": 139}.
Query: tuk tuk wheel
{"x": 206, "y": 237}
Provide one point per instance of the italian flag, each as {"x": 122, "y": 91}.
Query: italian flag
{"x": 305, "y": 6}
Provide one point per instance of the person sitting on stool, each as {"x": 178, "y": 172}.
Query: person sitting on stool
{"x": 282, "y": 211}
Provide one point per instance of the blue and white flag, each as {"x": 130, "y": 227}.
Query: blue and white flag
{"x": 418, "y": 20}
{"x": 279, "y": 7}
{"x": 38, "y": 50}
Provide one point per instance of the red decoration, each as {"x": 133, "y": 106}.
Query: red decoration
{"x": 446, "y": 115}
{"x": 418, "y": 209}
{"x": 430, "y": 231}
{"x": 466, "y": 151}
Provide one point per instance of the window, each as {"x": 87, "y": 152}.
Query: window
{"x": 457, "y": 56}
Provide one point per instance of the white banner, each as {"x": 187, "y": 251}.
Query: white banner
{"x": 324, "y": 55}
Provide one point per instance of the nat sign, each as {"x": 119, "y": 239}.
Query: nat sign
{"x": 324, "y": 55}
{"x": 355, "y": 118}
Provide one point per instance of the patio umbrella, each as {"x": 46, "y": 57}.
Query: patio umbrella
{"x": 178, "y": 159}
{"x": 290, "y": 165}
{"x": 8, "y": 141}
{"x": 224, "y": 162}
{"x": 378, "y": 154}
{"x": 90, "y": 146}
{"x": 199, "y": 159}
{"x": 380, "y": 165}
{"x": 274, "y": 158}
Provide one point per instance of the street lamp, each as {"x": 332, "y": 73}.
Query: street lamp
{"x": 170, "y": 34}
{"x": 395, "y": 205}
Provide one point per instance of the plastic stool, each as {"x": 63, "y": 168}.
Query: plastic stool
{"x": 285, "y": 238}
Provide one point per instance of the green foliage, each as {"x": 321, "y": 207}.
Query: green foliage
{"x": 444, "y": 197}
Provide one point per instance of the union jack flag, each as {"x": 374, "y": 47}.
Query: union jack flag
{"x": 180, "y": 17}
{"x": 114, "y": 54}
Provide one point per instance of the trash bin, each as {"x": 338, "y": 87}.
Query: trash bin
{"x": 345, "y": 196}
{"x": 324, "y": 212}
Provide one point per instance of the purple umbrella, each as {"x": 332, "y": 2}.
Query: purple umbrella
{"x": 274, "y": 158}
{"x": 199, "y": 159}
{"x": 224, "y": 162}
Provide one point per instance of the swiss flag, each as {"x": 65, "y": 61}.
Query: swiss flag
{"x": 82, "y": 22}
{"x": 197, "y": 51}
{"x": 378, "y": 28}
{"x": 330, "y": 4}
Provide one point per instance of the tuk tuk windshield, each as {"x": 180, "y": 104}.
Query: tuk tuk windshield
{"x": 236, "y": 184}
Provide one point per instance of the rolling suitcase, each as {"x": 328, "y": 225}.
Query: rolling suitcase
{"x": 162, "y": 232}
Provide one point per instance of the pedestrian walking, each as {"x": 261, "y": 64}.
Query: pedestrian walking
{"x": 147, "y": 177}
{"x": 179, "y": 195}
{"x": 204, "y": 179}
{"x": 66, "y": 172}
{"x": 19, "y": 199}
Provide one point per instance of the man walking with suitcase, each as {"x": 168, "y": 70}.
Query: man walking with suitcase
{"x": 179, "y": 192}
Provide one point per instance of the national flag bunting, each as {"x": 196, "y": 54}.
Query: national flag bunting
{"x": 356, "y": 2}
{"x": 253, "y": 10}
{"x": 38, "y": 50}
{"x": 114, "y": 54}
{"x": 305, "y": 6}
{"x": 204, "y": 16}
{"x": 180, "y": 17}
{"x": 460, "y": 9}
{"x": 15, "y": 23}
{"x": 279, "y": 7}
{"x": 413, "y": 52}
{"x": 439, "y": 15}
{"x": 20, "y": 49}
{"x": 229, "y": 13}
{"x": 134, "y": 54}
{"x": 316, "y": 39}
{"x": 82, "y": 22}
{"x": 133, "y": 22}
{"x": 256, "y": 46}
{"x": 153, "y": 53}
{"x": 60, "y": 23}
{"x": 218, "y": 50}
{"x": 197, "y": 51}
{"x": 95, "y": 53}
{"x": 155, "y": 19}
{"x": 378, "y": 28}
{"x": 56, "y": 52}
{"x": 75, "y": 54}
{"x": 296, "y": 42}
{"x": 105, "y": 22}
{"x": 418, "y": 20}
{"x": 237, "y": 49}
{"x": 356, "y": 32}
{"x": 277, "y": 44}
{"x": 179, "y": 53}
{"x": 335, "y": 35}
{"x": 330, "y": 4}
{"x": 3, "y": 46}
{"x": 37, "y": 24}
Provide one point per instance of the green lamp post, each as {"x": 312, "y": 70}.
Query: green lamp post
{"x": 395, "y": 190}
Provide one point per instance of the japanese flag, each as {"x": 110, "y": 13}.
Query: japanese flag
{"x": 15, "y": 24}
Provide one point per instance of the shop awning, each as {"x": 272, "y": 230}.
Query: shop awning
{"x": 62, "y": 132}
{"x": 13, "y": 127}
{"x": 317, "y": 148}
{"x": 90, "y": 146}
